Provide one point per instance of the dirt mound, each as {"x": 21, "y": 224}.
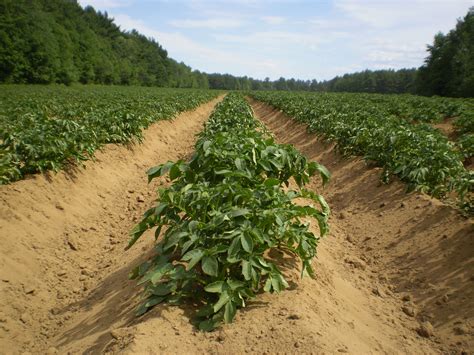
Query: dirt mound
{"x": 419, "y": 249}
{"x": 62, "y": 240}
{"x": 391, "y": 263}
{"x": 448, "y": 128}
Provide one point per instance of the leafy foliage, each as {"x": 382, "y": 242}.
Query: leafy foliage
{"x": 465, "y": 123}
{"x": 57, "y": 41}
{"x": 361, "y": 125}
{"x": 381, "y": 81}
{"x": 224, "y": 211}
{"x": 466, "y": 145}
{"x": 449, "y": 67}
{"x": 44, "y": 128}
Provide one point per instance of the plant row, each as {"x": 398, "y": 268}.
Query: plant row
{"x": 223, "y": 213}
{"x": 417, "y": 108}
{"x": 417, "y": 153}
{"x": 45, "y": 128}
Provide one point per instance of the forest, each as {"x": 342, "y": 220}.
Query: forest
{"x": 57, "y": 41}
{"x": 372, "y": 81}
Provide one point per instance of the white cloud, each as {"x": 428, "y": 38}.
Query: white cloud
{"x": 212, "y": 4}
{"x": 273, "y": 20}
{"x": 243, "y": 37}
{"x": 207, "y": 23}
{"x": 385, "y": 14}
{"x": 395, "y": 52}
{"x": 105, "y": 4}
{"x": 273, "y": 39}
{"x": 205, "y": 58}
{"x": 173, "y": 42}
{"x": 332, "y": 71}
{"x": 398, "y": 49}
{"x": 394, "y": 34}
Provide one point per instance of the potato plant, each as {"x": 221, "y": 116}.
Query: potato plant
{"x": 226, "y": 208}
{"x": 363, "y": 125}
{"x": 45, "y": 128}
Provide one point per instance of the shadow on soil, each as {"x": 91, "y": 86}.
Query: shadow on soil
{"x": 114, "y": 300}
{"x": 424, "y": 247}
{"x": 112, "y": 303}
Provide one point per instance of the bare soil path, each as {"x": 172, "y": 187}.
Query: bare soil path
{"x": 63, "y": 270}
{"x": 447, "y": 128}
{"x": 406, "y": 258}
{"x": 390, "y": 262}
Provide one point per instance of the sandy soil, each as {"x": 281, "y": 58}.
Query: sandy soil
{"x": 447, "y": 128}
{"x": 63, "y": 271}
{"x": 415, "y": 251}
{"x": 391, "y": 262}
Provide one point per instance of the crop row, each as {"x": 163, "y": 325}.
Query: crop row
{"x": 46, "y": 128}
{"x": 417, "y": 153}
{"x": 224, "y": 211}
{"x": 415, "y": 108}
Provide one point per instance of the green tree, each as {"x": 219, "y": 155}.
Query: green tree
{"x": 449, "y": 68}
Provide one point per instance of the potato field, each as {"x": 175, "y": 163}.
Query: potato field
{"x": 46, "y": 128}
{"x": 148, "y": 220}
{"x": 394, "y": 132}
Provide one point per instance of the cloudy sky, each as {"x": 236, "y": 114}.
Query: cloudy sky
{"x": 302, "y": 39}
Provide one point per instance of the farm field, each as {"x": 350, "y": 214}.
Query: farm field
{"x": 52, "y": 127}
{"x": 393, "y": 274}
{"x": 380, "y": 128}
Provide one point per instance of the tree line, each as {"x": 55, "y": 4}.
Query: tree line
{"x": 378, "y": 81}
{"x": 448, "y": 70}
{"x": 58, "y": 41}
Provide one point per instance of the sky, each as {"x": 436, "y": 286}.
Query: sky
{"x": 299, "y": 39}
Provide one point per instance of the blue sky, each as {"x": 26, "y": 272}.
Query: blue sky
{"x": 301, "y": 39}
